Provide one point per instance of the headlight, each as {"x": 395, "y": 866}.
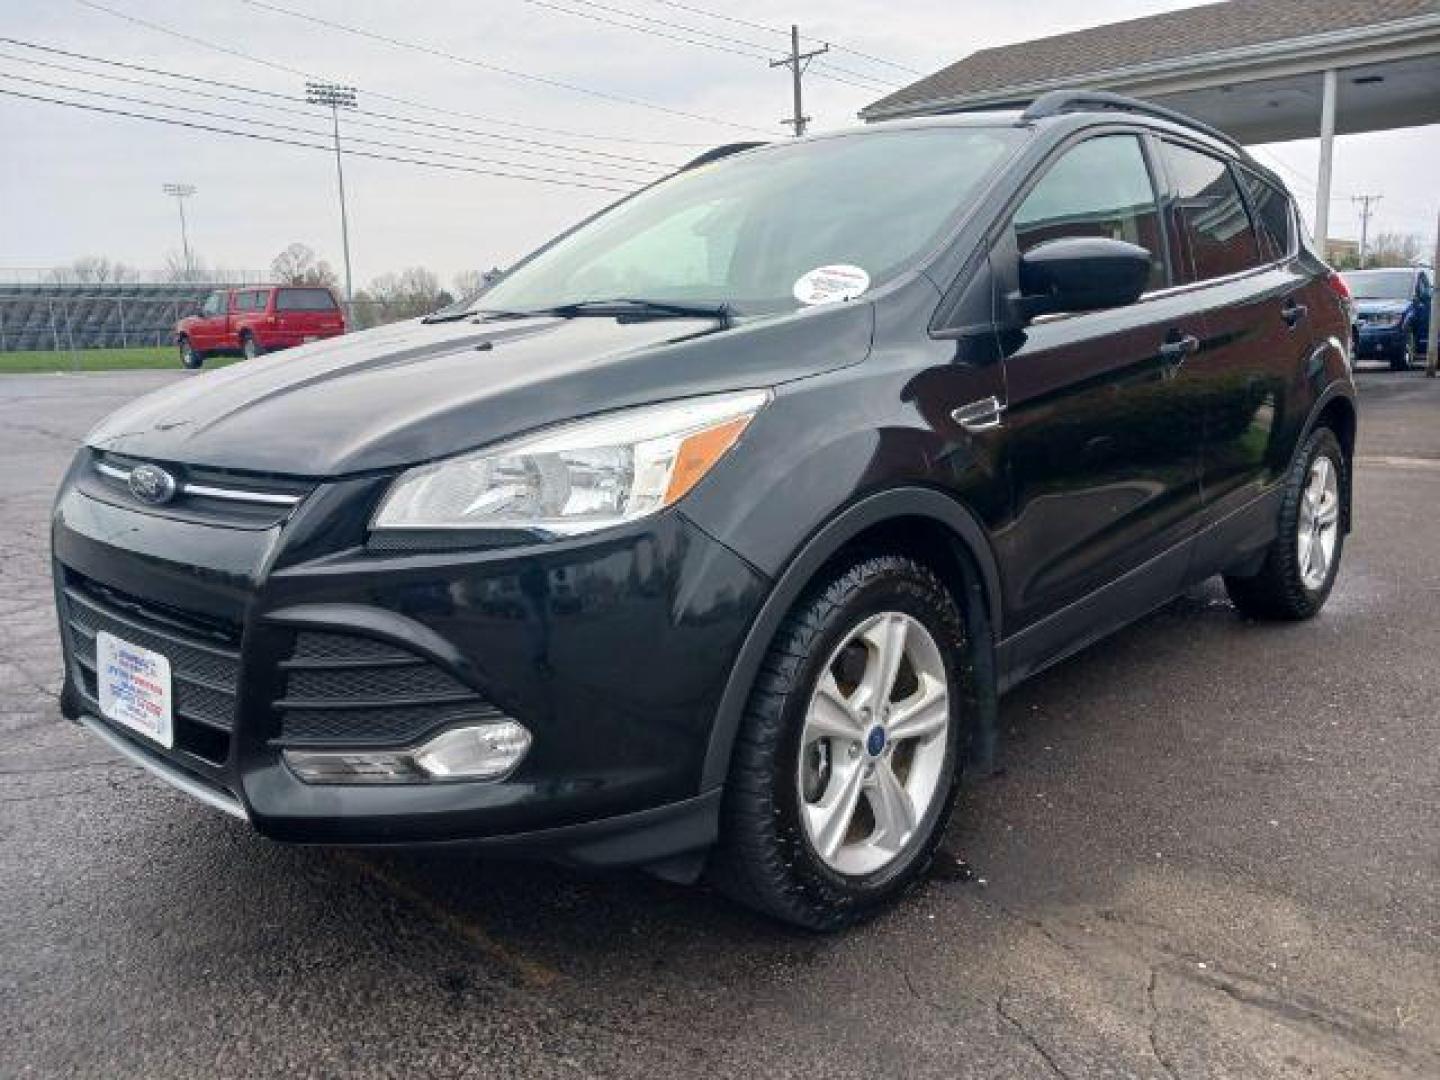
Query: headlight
{"x": 578, "y": 477}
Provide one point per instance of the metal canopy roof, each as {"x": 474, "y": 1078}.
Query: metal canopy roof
{"x": 1250, "y": 67}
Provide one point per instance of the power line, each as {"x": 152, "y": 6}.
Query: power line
{"x": 486, "y": 65}
{"x": 556, "y": 151}
{"x": 720, "y": 44}
{"x": 707, "y": 13}
{"x": 293, "y": 130}
{"x": 394, "y": 99}
{"x": 308, "y": 146}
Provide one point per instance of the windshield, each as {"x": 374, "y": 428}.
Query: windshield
{"x": 743, "y": 230}
{"x": 1381, "y": 284}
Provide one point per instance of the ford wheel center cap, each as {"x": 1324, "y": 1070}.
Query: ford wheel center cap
{"x": 875, "y": 741}
{"x": 152, "y": 484}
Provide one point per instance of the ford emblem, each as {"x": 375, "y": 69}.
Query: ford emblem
{"x": 152, "y": 484}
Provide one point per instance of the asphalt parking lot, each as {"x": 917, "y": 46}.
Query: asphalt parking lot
{"x": 1213, "y": 850}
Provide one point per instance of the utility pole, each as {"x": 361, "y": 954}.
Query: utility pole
{"x": 181, "y": 192}
{"x": 1365, "y": 202}
{"x": 337, "y": 97}
{"x": 797, "y": 62}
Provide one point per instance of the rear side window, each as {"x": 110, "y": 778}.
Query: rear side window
{"x": 1272, "y": 215}
{"x": 1214, "y": 228}
{"x": 250, "y": 301}
{"x": 1099, "y": 188}
{"x": 304, "y": 300}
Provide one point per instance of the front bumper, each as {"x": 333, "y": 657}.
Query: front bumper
{"x": 1375, "y": 339}
{"x": 613, "y": 651}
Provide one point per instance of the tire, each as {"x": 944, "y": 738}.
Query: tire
{"x": 250, "y": 348}
{"x": 769, "y": 856}
{"x": 1408, "y": 355}
{"x": 190, "y": 357}
{"x": 1288, "y": 586}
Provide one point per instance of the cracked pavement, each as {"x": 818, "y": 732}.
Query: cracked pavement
{"x": 1212, "y": 850}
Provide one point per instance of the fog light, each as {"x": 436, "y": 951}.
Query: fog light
{"x": 472, "y": 752}
{"x": 482, "y": 752}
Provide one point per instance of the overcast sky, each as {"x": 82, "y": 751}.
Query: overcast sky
{"x": 74, "y": 183}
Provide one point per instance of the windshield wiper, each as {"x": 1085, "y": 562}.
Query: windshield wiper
{"x": 621, "y": 308}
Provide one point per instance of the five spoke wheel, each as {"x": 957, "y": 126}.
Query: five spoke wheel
{"x": 1319, "y": 523}
{"x": 873, "y": 743}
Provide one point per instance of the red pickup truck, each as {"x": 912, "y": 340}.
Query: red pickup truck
{"x": 258, "y": 319}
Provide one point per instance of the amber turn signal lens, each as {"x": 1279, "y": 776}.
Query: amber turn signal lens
{"x": 698, "y": 453}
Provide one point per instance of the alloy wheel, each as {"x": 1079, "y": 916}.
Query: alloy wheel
{"x": 1319, "y": 524}
{"x": 873, "y": 744}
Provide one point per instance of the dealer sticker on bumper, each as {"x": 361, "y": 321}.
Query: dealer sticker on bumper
{"x": 134, "y": 686}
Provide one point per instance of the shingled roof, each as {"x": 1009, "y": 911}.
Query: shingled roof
{"x": 1191, "y": 32}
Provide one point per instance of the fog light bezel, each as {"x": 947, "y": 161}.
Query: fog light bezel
{"x": 359, "y": 766}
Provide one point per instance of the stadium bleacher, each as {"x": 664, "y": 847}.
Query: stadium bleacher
{"x": 90, "y": 316}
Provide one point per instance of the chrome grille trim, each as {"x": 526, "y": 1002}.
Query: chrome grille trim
{"x": 207, "y": 491}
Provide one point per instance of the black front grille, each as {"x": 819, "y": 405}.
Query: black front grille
{"x": 355, "y": 691}
{"x": 208, "y": 496}
{"x": 204, "y": 657}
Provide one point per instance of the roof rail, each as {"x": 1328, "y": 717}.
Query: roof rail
{"x": 718, "y": 152}
{"x": 1057, "y": 102}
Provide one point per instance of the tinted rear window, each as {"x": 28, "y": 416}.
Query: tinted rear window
{"x": 1214, "y": 225}
{"x": 1272, "y": 213}
{"x": 305, "y": 300}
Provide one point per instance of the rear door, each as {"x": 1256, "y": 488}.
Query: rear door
{"x": 305, "y": 314}
{"x": 1241, "y": 273}
{"x": 1101, "y": 437}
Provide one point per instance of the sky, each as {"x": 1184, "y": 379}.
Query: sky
{"x": 76, "y": 183}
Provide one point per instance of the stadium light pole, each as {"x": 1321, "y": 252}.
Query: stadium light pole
{"x": 181, "y": 192}
{"x": 337, "y": 97}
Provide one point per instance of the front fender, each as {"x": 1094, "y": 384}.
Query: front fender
{"x": 906, "y": 502}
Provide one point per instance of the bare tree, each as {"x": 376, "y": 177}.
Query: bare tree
{"x": 94, "y": 270}
{"x": 1395, "y": 249}
{"x": 414, "y": 291}
{"x": 299, "y": 265}
{"x": 470, "y": 282}
{"x": 178, "y": 268}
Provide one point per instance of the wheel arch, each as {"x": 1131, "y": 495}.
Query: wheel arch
{"x": 917, "y": 521}
{"x": 1336, "y": 409}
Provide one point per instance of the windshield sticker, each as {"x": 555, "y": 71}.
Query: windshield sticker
{"x": 827, "y": 284}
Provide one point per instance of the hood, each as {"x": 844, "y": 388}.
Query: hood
{"x": 411, "y": 392}
{"x": 1381, "y": 307}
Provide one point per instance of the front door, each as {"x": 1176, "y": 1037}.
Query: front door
{"x": 1102, "y": 430}
{"x": 209, "y": 331}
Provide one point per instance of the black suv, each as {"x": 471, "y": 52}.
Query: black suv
{"x": 707, "y": 537}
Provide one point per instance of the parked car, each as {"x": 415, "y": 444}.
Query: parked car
{"x": 258, "y": 319}
{"x": 706, "y": 539}
{"x": 1392, "y": 314}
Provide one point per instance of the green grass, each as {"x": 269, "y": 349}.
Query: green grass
{"x": 157, "y": 357}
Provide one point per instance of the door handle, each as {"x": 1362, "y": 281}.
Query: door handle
{"x": 1175, "y": 349}
{"x": 1292, "y": 312}
{"x": 983, "y": 415}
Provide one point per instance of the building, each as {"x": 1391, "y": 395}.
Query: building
{"x": 1261, "y": 70}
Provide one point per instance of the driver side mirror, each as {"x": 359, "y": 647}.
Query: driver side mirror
{"x": 1080, "y": 273}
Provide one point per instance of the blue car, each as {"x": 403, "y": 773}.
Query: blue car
{"x": 1392, "y": 314}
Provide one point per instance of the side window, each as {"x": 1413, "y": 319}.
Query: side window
{"x": 214, "y": 304}
{"x": 1214, "y": 227}
{"x": 247, "y": 301}
{"x": 304, "y": 300}
{"x": 1099, "y": 188}
{"x": 1272, "y": 215}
